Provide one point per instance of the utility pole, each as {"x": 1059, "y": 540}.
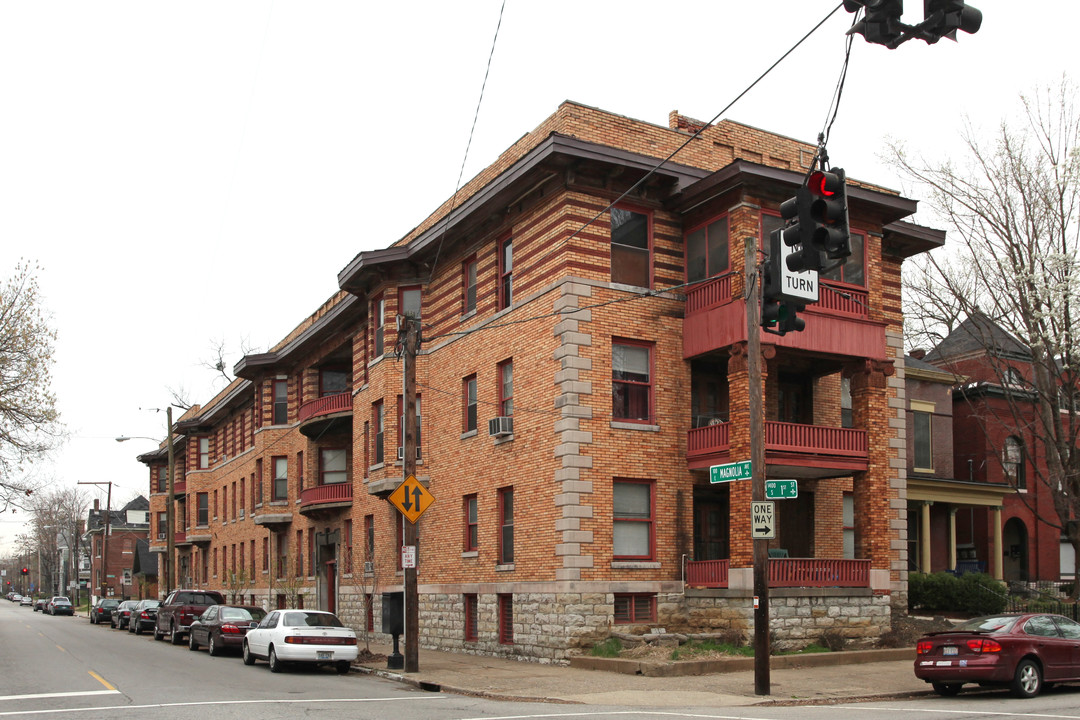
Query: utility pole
{"x": 170, "y": 535}
{"x": 757, "y": 462}
{"x": 104, "y": 538}
{"x": 408, "y": 446}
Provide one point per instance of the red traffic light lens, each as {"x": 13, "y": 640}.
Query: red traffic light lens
{"x": 825, "y": 184}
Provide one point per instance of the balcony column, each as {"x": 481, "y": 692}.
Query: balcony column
{"x": 740, "y": 493}
{"x": 924, "y": 538}
{"x": 952, "y": 537}
{"x": 997, "y": 554}
{"x": 873, "y": 490}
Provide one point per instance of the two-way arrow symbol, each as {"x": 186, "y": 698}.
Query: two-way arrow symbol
{"x": 408, "y": 503}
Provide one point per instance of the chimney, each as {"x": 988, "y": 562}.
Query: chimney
{"x": 918, "y": 353}
{"x": 97, "y": 508}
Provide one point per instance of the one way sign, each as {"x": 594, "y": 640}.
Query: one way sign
{"x": 763, "y": 520}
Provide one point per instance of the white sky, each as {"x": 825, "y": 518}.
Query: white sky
{"x": 192, "y": 172}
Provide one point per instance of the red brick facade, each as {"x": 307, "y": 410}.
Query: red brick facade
{"x": 605, "y": 376}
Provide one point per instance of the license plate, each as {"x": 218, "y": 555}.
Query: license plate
{"x": 324, "y": 655}
{"x": 949, "y": 650}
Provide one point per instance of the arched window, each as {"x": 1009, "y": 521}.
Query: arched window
{"x": 1012, "y": 460}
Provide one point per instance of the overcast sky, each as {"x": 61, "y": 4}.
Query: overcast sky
{"x": 190, "y": 173}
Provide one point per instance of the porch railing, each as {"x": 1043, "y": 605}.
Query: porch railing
{"x": 794, "y": 437}
{"x": 843, "y": 300}
{"x": 331, "y": 493}
{"x": 708, "y": 294}
{"x": 786, "y": 572}
{"x": 325, "y": 405}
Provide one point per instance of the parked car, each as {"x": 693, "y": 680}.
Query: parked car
{"x": 59, "y": 605}
{"x": 103, "y": 610}
{"x": 122, "y": 614}
{"x": 26, "y": 601}
{"x": 223, "y": 627}
{"x": 1022, "y": 651}
{"x": 308, "y": 636}
{"x": 143, "y": 616}
{"x": 40, "y": 604}
{"x": 180, "y": 609}
{"x": 16, "y": 597}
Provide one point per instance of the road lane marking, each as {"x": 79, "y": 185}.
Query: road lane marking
{"x": 60, "y": 649}
{"x": 36, "y": 696}
{"x": 55, "y": 711}
{"x": 102, "y": 680}
{"x": 944, "y": 711}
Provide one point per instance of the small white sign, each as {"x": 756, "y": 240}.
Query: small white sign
{"x": 408, "y": 556}
{"x": 763, "y": 525}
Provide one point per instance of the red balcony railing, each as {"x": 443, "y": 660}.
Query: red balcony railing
{"x": 323, "y": 494}
{"x": 180, "y": 538}
{"x": 179, "y": 487}
{"x": 786, "y": 572}
{"x": 838, "y": 300}
{"x": 707, "y": 573}
{"x": 710, "y": 438}
{"x": 813, "y": 572}
{"x": 709, "y": 294}
{"x": 815, "y": 439}
{"x": 325, "y": 405}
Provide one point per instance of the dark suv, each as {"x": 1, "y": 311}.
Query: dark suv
{"x": 102, "y": 612}
{"x": 176, "y": 614}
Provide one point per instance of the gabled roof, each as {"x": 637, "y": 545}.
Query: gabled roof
{"x": 978, "y": 335}
{"x": 118, "y": 519}
{"x": 145, "y": 562}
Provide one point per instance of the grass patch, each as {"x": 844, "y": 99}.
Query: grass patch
{"x": 709, "y": 647}
{"x": 609, "y": 648}
{"x": 808, "y": 650}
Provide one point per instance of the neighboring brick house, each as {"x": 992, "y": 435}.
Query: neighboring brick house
{"x": 127, "y": 526}
{"x": 992, "y": 449}
{"x": 580, "y": 372}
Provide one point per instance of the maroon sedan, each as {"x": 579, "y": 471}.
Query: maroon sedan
{"x": 1025, "y": 652}
{"x": 222, "y": 627}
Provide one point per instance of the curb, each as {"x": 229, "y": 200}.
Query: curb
{"x": 726, "y": 665}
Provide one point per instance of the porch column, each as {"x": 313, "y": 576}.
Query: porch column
{"x": 874, "y": 492}
{"x": 952, "y": 537}
{"x": 924, "y": 537}
{"x": 996, "y": 570}
{"x": 740, "y": 493}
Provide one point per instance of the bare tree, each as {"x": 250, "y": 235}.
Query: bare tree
{"x": 1013, "y": 262}
{"x": 57, "y": 522}
{"x": 29, "y": 422}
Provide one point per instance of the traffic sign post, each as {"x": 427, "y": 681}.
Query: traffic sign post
{"x": 411, "y": 498}
{"x": 781, "y": 489}
{"x": 742, "y": 470}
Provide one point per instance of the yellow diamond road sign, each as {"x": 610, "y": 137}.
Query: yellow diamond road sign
{"x": 411, "y": 498}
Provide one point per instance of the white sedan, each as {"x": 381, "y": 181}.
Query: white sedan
{"x": 308, "y": 636}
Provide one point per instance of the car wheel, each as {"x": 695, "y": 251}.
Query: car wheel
{"x": 947, "y": 689}
{"x": 174, "y": 637}
{"x": 249, "y": 659}
{"x": 157, "y": 632}
{"x": 132, "y": 626}
{"x": 92, "y": 620}
{"x": 138, "y": 628}
{"x": 191, "y": 644}
{"x": 1027, "y": 680}
{"x": 342, "y": 667}
{"x": 275, "y": 664}
{"x": 212, "y": 647}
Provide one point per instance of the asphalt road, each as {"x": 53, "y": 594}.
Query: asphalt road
{"x": 64, "y": 666}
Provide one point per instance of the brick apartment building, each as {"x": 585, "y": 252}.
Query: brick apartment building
{"x": 576, "y": 380}
{"x": 112, "y": 561}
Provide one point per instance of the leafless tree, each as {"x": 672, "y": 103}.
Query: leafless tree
{"x": 1012, "y": 206}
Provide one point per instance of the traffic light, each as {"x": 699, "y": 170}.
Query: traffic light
{"x": 942, "y": 18}
{"x": 828, "y": 213}
{"x": 25, "y": 571}
{"x": 797, "y": 211}
{"x": 881, "y": 23}
{"x": 779, "y": 314}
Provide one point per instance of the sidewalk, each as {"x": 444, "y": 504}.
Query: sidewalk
{"x": 825, "y": 678}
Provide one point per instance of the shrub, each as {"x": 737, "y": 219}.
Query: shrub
{"x": 609, "y": 648}
{"x": 971, "y": 593}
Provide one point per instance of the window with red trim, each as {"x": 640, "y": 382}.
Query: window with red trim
{"x": 369, "y": 538}
{"x": 333, "y": 381}
{"x": 506, "y": 618}
{"x": 707, "y": 250}
{"x": 333, "y": 466}
{"x": 468, "y": 286}
{"x": 378, "y": 310}
{"x": 378, "y": 419}
{"x": 505, "y": 373}
{"x": 204, "y": 453}
{"x": 161, "y": 476}
{"x": 470, "y": 521}
{"x": 281, "y": 478}
{"x": 299, "y": 553}
{"x": 471, "y": 617}
{"x": 631, "y": 380}
{"x": 281, "y": 402}
{"x": 635, "y": 608}
{"x": 631, "y": 247}
{"x": 506, "y": 273}
{"x": 348, "y": 547}
{"x": 852, "y": 269}
{"x": 468, "y": 397}
{"x": 506, "y": 525}
{"x": 633, "y": 534}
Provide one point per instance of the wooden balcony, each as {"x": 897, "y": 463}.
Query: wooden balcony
{"x": 838, "y": 324}
{"x": 179, "y": 488}
{"x": 818, "y": 450}
{"x": 787, "y": 573}
{"x": 318, "y": 415}
{"x": 326, "y": 497}
{"x": 180, "y": 538}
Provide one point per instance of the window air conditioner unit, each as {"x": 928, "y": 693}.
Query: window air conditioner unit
{"x": 369, "y": 567}
{"x": 161, "y": 536}
{"x": 241, "y": 513}
{"x": 401, "y": 453}
{"x": 501, "y": 426}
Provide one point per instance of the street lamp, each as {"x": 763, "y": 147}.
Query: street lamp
{"x": 170, "y": 537}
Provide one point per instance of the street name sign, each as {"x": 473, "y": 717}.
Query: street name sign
{"x": 763, "y": 520}
{"x": 731, "y": 471}
{"x": 781, "y": 489}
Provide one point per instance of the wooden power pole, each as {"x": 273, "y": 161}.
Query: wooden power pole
{"x": 408, "y": 447}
